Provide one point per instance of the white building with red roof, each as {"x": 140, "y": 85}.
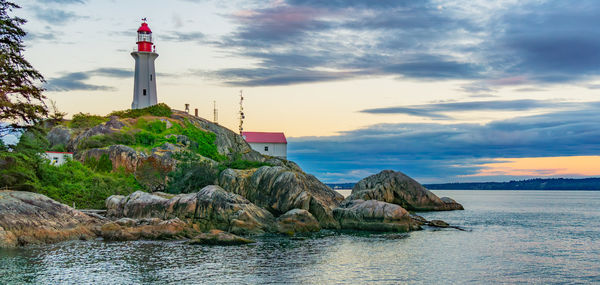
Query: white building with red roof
{"x": 58, "y": 158}
{"x": 273, "y": 144}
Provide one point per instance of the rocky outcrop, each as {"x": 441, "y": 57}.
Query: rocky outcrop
{"x": 210, "y": 208}
{"x": 112, "y": 126}
{"x": 397, "y": 188}
{"x": 228, "y": 143}
{"x": 151, "y": 229}
{"x": 218, "y": 237}
{"x": 31, "y": 218}
{"x": 280, "y": 189}
{"x": 59, "y": 135}
{"x": 297, "y": 221}
{"x": 129, "y": 159}
{"x": 372, "y": 215}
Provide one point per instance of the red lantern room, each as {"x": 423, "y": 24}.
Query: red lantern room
{"x": 144, "y": 39}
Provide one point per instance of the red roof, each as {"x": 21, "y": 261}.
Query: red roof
{"x": 262, "y": 137}
{"x": 59, "y": 152}
{"x": 144, "y": 28}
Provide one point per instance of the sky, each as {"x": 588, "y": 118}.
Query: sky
{"x": 444, "y": 91}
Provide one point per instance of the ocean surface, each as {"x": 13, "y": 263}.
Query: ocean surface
{"x": 540, "y": 237}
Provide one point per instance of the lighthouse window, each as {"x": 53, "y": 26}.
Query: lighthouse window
{"x": 150, "y": 77}
{"x": 144, "y": 92}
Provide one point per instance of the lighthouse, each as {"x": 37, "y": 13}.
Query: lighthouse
{"x": 144, "y": 86}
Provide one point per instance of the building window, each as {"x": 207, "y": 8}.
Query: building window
{"x": 54, "y": 160}
{"x": 266, "y": 148}
{"x": 150, "y": 77}
{"x": 144, "y": 92}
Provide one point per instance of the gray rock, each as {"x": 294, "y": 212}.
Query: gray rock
{"x": 297, "y": 221}
{"x": 397, "y": 188}
{"x": 373, "y": 215}
{"x": 59, "y": 135}
{"x": 31, "y": 218}
{"x": 151, "y": 229}
{"x": 280, "y": 189}
{"x": 112, "y": 126}
{"x": 210, "y": 208}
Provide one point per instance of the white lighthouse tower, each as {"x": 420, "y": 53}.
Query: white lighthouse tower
{"x": 144, "y": 87}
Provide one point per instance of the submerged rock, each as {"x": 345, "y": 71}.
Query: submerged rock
{"x": 297, "y": 221}
{"x": 373, "y": 215}
{"x": 397, "y": 188}
{"x": 282, "y": 188}
{"x": 218, "y": 237}
{"x": 31, "y": 218}
{"x": 210, "y": 208}
{"x": 152, "y": 229}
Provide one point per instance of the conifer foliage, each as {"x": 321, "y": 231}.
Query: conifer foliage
{"x": 21, "y": 98}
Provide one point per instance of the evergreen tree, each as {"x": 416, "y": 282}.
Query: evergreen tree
{"x": 21, "y": 98}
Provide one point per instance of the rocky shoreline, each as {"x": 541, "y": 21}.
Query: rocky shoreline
{"x": 216, "y": 216}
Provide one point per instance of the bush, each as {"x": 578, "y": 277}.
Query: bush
{"x": 158, "y": 110}
{"x": 74, "y": 183}
{"x": 191, "y": 175}
{"x": 145, "y": 138}
{"x": 152, "y": 174}
{"x": 81, "y": 120}
{"x": 104, "y": 164}
{"x": 245, "y": 164}
{"x": 206, "y": 142}
{"x": 99, "y": 141}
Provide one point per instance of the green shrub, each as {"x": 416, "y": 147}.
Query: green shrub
{"x": 191, "y": 175}
{"x": 159, "y": 110}
{"x": 206, "y": 142}
{"x": 74, "y": 183}
{"x": 245, "y": 164}
{"x": 59, "y": 147}
{"x": 145, "y": 138}
{"x": 81, "y": 120}
{"x": 104, "y": 164}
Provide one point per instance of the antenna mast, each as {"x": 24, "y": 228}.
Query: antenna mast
{"x": 215, "y": 113}
{"x": 242, "y": 117}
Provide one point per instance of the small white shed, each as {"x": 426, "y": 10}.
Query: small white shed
{"x": 273, "y": 144}
{"x": 58, "y": 158}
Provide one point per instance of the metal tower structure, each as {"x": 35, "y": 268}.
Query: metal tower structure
{"x": 242, "y": 117}
{"x": 215, "y": 113}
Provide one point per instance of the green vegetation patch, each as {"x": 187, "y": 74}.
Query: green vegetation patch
{"x": 81, "y": 120}
{"x": 158, "y": 110}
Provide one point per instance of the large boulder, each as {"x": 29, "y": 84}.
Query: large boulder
{"x": 372, "y": 215}
{"x": 397, "y": 188}
{"x": 31, "y": 218}
{"x": 59, "y": 135}
{"x": 280, "y": 189}
{"x": 297, "y": 221}
{"x": 210, "y": 208}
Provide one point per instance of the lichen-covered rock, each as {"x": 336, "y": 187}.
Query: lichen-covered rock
{"x": 280, "y": 189}
{"x": 397, "y": 188}
{"x": 218, "y": 237}
{"x": 31, "y": 218}
{"x": 152, "y": 229}
{"x": 210, "y": 208}
{"x": 372, "y": 215}
{"x": 451, "y": 203}
{"x": 297, "y": 221}
{"x": 59, "y": 135}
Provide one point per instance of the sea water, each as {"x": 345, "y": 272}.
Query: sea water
{"x": 513, "y": 237}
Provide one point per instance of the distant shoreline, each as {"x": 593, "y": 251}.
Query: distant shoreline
{"x": 544, "y": 184}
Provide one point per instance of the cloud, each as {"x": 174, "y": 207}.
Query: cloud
{"x": 76, "y": 80}
{"x": 441, "y": 152}
{"x": 433, "y": 110}
{"x": 491, "y": 45}
{"x": 184, "y": 37}
{"x": 62, "y": 1}
{"x": 55, "y": 16}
